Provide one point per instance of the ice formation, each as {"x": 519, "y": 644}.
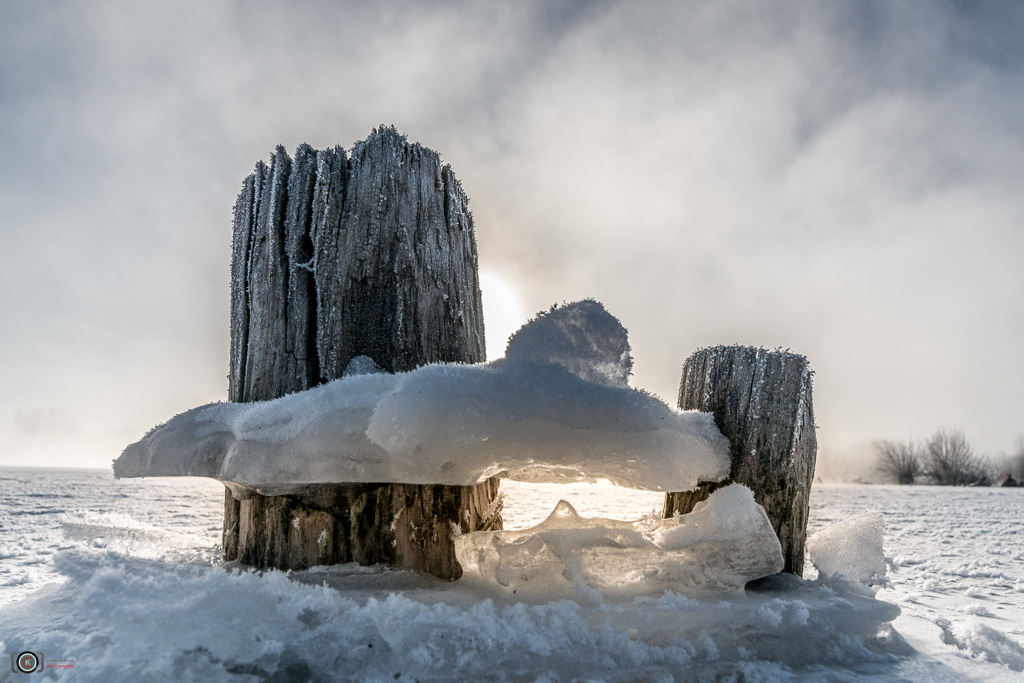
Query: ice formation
{"x": 725, "y": 542}
{"x": 351, "y": 624}
{"x": 555, "y": 409}
{"x": 850, "y": 549}
{"x": 107, "y": 585}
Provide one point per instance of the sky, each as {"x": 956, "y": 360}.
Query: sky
{"x": 838, "y": 179}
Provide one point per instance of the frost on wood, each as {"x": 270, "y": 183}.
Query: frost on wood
{"x": 338, "y": 256}
{"x": 724, "y": 543}
{"x": 533, "y": 416}
{"x": 399, "y": 280}
{"x": 761, "y": 400}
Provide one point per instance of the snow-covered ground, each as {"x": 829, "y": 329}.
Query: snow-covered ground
{"x": 121, "y": 577}
{"x": 957, "y": 568}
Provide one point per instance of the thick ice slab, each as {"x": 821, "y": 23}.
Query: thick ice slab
{"x": 725, "y": 542}
{"x": 556, "y": 409}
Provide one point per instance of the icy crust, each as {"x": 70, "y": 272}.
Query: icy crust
{"x": 564, "y": 417}
{"x": 440, "y": 424}
{"x": 725, "y": 542}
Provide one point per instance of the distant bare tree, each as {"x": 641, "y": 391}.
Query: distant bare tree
{"x": 899, "y": 461}
{"x": 949, "y": 459}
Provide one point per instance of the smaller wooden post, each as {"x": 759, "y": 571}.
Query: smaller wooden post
{"x": 762, "y": 403}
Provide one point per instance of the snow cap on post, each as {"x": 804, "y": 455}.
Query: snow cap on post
{"x": 561, "y": 416}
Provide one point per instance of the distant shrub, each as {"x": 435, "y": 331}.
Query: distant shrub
{"x": 950, "y": 460}
{"x": 898, "y": 461}
{"x": 947, "y": 458}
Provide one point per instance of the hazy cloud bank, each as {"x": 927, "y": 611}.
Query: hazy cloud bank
{"x": 838, "y": 179}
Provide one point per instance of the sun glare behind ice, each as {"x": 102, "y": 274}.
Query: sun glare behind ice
{"x": 528, "y": 504}
{"x": 503, "y": 312}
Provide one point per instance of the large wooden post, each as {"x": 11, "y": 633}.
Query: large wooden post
{"x": 761, "y": 401}
{"x": 336, "y": 257}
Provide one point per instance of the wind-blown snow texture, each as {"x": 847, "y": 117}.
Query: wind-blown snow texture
{"x": 555, "y": 409}
{"x": 725, "y": 542}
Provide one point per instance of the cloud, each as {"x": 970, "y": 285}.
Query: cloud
{"x": 840, "y": 179}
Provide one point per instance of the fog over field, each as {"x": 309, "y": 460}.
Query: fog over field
{"x": 840, "y": 179}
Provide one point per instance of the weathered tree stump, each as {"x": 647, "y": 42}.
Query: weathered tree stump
{"x": 334, "y": 258}
{"x": 761, "y": 401}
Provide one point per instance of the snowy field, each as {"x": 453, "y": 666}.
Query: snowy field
{"x": 122, "y": 578}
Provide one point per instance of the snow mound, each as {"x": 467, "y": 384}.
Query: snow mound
{"x": 582, "y": 337}
{"x": 350, "y": 624}
{"x": 362, "y": 365}
{"x": 984, "y": 642}
{"x": 851, "y": 549}
{"x": 561, "y": 415}
{"x": 724, "y": 543}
